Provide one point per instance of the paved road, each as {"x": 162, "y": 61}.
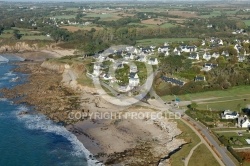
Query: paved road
{"x": 220, "y": 149}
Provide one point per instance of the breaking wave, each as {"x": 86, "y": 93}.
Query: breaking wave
{"x": 40, "y": 122}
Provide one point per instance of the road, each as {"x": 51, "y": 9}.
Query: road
{"x": 220, "y": 149}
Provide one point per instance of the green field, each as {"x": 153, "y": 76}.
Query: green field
{"x": 157, "y": 41}
{"x": 247, "y": 22}
{"x": 143, "y": 25}
{"x": 235, "y": 105}
{"x": 65, "y": 16}
{"x": 189, "y": 136}
{"x": 201, "y": 157}
{"x": 232, "y": 92}
{"x": 167, "y": 25}
{"x": 212, "y": 14}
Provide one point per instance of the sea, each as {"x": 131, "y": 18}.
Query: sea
{"x": 32, "y": 139}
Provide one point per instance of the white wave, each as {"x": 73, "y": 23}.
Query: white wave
{"x": 10, "y": 73}
{"x": 3, "y": 99}
{"x": 39, "y": 122}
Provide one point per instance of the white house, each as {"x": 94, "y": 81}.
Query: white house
{"x": 243, "y": 122}
{"x": 177, "y": 51}
{"x": 227, "y": 114}
{"x": 163, "y": 49}
{"x": 142, "y": 58}
{"x": 153, "y": 61}
{"x": 208, "y": 67}
{"x": 206, "y": 56}
{"x": 225, "y": 53}
{"x": 215, "y": 55}
{"x": 166, "y": 53}
{"x": 134, "y": 79}
{"x": 188, "y": 48}
{"x": 194, "y": 56}
{"x": 220, "y": 42}
{"x": 133, "y": 69}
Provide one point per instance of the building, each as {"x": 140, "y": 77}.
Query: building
{"x": 209, "y": 66}
{"x": 207, "y": 56}
{"x": 134, "y": 79}
{"x": 172, "y": 81}
{"x": 243, "y": 122}
{"x": 186, "y": 48}
{"x": 194, "y": 56}
{"x": 199, "y": 78}
{"x": 215, "y": 55}
{"x": 153, "y": 61}
{"x": 227, "y": 114}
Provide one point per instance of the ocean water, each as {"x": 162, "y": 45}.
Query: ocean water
{"x": 32, "y": 139}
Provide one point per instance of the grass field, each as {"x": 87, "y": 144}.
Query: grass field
{"x": 212, "y": 14}
{"x": 189, "y": 136}
{"x": 65, "y": 16}
{"x": 40, "y": 37}
{"x": 167, "y": 25}
{"x": 157, "y": 41}
{"x": 201, "y": 157}
{"x": 234, "y": 99}
{"x": 235, "y": 105}
{"x": 232, "y": 92}
{"x": 104, "y": 17}
{"x": 247, "y": 22}
{"x": 143, "y": 25}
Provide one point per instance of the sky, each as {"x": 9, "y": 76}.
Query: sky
{"x": 101, "y": 0}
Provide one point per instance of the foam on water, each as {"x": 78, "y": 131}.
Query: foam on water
{"x": 39, "y": 122}
{"x": 9, "y": 74}
{"x": 3, "y": 99}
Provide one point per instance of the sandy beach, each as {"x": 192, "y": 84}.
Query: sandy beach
{"x": 112, "y": 141}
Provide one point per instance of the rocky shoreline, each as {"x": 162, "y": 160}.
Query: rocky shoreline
{"x": 55, "y": 93}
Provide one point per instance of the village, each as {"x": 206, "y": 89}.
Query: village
{"x": 125, "y": 60}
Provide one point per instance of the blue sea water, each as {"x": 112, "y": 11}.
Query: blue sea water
{"x": 32, "y": 139}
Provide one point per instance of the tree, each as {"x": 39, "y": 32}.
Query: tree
{"x": 193, "y": 105}
{"x": 16, "y": 34}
